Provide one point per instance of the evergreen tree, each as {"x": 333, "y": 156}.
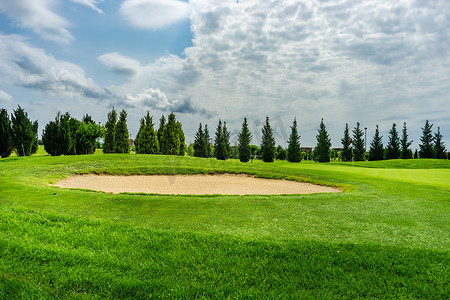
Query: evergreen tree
{"x": 267, "y": 142}
{"x": 346, "y": 147}
{"x": 182, "y": 138}
{"x": 281, "y": 153}
{"x": 426, "y": 148}
{"x": 439, "y": 146}
{"x": 293, "y": 150}
{"x": 226, "y": 138}
{"x": 200, "y": 148}
{"x": 160, "y": 133}
{"x": 244, "y": 139}
{"x": 393, "y": 146}
{"x": 322, "y": 149}
{"x": 376, "y": 151}
{"x": 24, "y": 133}
{"x": 172, "y": 137}
{"x": 416, "y": 154}
{"x": 359, "y": 152}
{"x": 56, "y": 136}
{"x": 207, "y": 138}
{"x": 110, "y": 128}
{"x": 146, "y": 140}
{"x": 73, "y": 127}
{"x": 222, "y": 142}
{"x": 121, "y": 135}
{"x": 405, "y": 144}
{"x": 5, "y": 134}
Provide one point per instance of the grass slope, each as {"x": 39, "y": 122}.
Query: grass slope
{"x": 385, "y": 237}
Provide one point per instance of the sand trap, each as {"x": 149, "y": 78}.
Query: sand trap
{"x": 224, "y": 184}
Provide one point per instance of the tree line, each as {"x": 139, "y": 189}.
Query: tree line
{"x": 69, "y": 136}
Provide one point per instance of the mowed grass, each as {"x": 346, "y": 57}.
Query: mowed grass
{"x": 386, "y": 236}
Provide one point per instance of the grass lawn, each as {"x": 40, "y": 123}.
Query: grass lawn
{"x": 386, "y": 236}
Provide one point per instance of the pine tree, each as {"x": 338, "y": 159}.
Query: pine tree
{"x": 293, "y": 150}
{"x": 110, "y": 128}
{"x": 393, "y": 146}
{"x": 322, "y": 149}
{"x": 439, "y": 146}
{"x": 160, "y": 133}
{"x": 405, "y": 144}
{"x": 73, "y": 127}
{"x": 172, "y": 137}
{"x": 416, "y": 154}
{"x": 56, "y": 136}
{"x": 5, "y": 134}
{"x": 226, "y": 139}
{"x": 121, "y": 135}
{"x": 376, "y": 151}
{"x": 426, "y": 148}
{"x": 181, "y": 138}
{"x": 200, "y": 148}
{"x": 359, "y": 152}
{"x": 219, "y": 143}
{"x": 207, "y": 142}
{"x": 346, "y": 150}
{"x": 146, "y": 140}
{"x": 24, "y": 133}
{"x": 267, "y": 142}
{"x": 244, "y": 139}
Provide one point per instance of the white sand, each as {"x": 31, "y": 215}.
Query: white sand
{"x": 224, "y": 184}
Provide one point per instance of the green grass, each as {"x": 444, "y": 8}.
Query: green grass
{"x": 386, "y": 236}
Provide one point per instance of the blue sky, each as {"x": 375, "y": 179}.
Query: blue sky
{"x": 346, "y": 61}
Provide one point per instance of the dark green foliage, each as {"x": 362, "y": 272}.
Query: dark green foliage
{"x": 405, "y": 144}
{"x": 427, "y": 147}
{"x": 160, "y": 134}
{"x": 73, "y": 127}
{"x": 121, "y": 135}
{"x": 376, "y": 151}
{"x": 182, "y": 139}
{"x": 439, "y": 146}
{"x": 172, "y": 137}
{"x": 222, "y": 142}
{"x": 359, "y": 152}
{"x": 293, "y": 150}
{"x": 322, "y": 149}
{"x": 56, "y": 136}
{"x": 416, "y": 154}
{"x": 281, "y": 153}
{"x": 267, "y": 142}
{"x": 24, "y": 133}
{"x": 346, "y": 147}
{"x": 209, "y": 151}
{"x": 5, "y": 134}
{"x": 147, "y": 140}
{"x": 110, "y": 128}
{"x": 244, "y": 139}
{"x": 200, "y": 147}
{"x": 393, "y": 146}
{"x": 87, "y": 135}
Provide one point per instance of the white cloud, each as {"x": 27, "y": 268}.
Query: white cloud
{"x": 154, "y": 14}
{"x": 39, "y": 16}
{"x": 121, "y": 65}
{"x": 5, "y": 97}
{"x": 26, "y": 66}
{"x": 90, "y": 3}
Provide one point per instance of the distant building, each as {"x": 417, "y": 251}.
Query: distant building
{"x": 306, "y": 149}
{"x": 131, "y": 142}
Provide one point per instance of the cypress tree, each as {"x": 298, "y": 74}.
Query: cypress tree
{"x": 393, "y": 146}
{"x": 207, "y": 142}
{"x": 439, "y": 146}
{"x": 146, "y": 140}
{"x": 244, "y": 139}
{"x": 376, "y": 151}
{"x": 293, "y": 150}
{"x": 406, "y": 153}
{"x": 5, "y": 134}
{"x": 200, "y": 143}
{"x": 110, "y": 128}
{"x": 267, "y": 142}
{"x": 182, "y": 138}
{"x": 226, "y": 140}
{"x": 121, "y": 135}
{"x": 219, "y": 143}
{"x": 56, "y": 136}
{"x": 426, "y": 148}
{"x": 172, "y": 136}
{"x": 24, "y": 133}
{"x": 161, "y": 134}
{"x": 358, "y": 144}
{"x": 346, "y": 150}
{"x": 322, "y": 149}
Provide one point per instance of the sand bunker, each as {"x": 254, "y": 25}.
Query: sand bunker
{"x": 224, "y": 184}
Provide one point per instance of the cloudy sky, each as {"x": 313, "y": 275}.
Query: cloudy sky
{"x": 346, "y": 61}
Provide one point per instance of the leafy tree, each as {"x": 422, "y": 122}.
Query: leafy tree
{"x": 86, "y": 135}
{"x": 293, "y": 150}
{"x": 426, "y": 148}
{"x": 322, "y": 149}
{"x": 281, "y": 153}
{"x": 5, "y": 134}
{"x": 56, "y": 136}
{"x": 73, "y": 127}
{"x": 405, "y": 144}
{"x": 222, "y": 142}
{"x": 376, "y": 151}
{"x": 244, "y": 139}
{"x": 439, "y": 146}
{"x": 393, "y": 146}
{"x": 359, "y": 152}
{"x": 24, "y": 133}
{"x": 200, "y": 148}
{"x": 346, "y": 150}
{"x": 146, "y": 139}
{"x": 267, "y": 142}
{"x": 110, "y": 128}
{"x": 121, "y": 135}
{"x": 160, "y": 134}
